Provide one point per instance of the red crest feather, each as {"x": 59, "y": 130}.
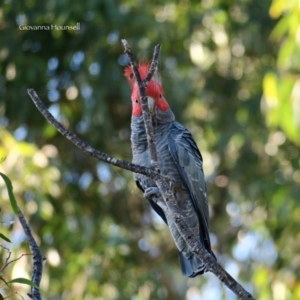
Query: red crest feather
{"x": 143, "y": 69}
{"x": 153, "y": 89}
{"x": 128, "y": 73}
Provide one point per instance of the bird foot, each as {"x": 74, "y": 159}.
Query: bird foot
{"x": 152, "y": 192}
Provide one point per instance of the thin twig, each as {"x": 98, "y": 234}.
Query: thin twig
{"x": 20, "y": 295}
{"x": 142, "y": 84}
{"x": 37, "y": 258}
{"x": 7, "y": 262}
{"x": 153, "y": 66}
{"x": 16, "y": 259}
{"x": 172, "y": 209}
{"x": 86, "y": 147}
{"x": 7, "y": 258}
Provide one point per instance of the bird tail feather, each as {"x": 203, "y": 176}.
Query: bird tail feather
{"x": 192, "y": 267}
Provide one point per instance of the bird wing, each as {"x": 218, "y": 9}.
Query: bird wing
{"x": 188, "y": 161}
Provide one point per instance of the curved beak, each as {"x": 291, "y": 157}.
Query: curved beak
{"x": 151, "y": 105}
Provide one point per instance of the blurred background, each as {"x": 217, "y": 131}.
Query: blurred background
{"x": 230, "y": 70}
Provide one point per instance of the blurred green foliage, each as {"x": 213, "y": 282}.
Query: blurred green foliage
{"x": 228, "y": 69}
{"x": 282, "y": 86}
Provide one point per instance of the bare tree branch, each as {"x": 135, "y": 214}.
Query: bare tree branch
{"x": 37, "y": 258}
{"x": 164, "y": 184}
{"x": 172, "y": 208}
{"x": 142, "y": 88}
{"x": 86, "y": 147}
{"x": 7, "y": 258}
{"x": 7, "y": 261}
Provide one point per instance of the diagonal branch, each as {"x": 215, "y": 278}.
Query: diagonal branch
{"x": 142, "y": 84}
{"x": 86, "y": 147}
{"x": 37, "y": 258}
{"x": 166, "y": 190}
{"x": 163, "y": 183}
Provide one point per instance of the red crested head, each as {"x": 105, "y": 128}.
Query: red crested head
{"x": 143, "y": 69}
{"x": 153, "y": 90}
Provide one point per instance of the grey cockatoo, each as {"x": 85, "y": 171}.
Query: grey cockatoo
{"x": 179, "y": 159}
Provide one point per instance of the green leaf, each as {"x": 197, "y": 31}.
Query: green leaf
{"x": 285, "y": 54}
{"x": 23, "y": 281}
{"x": 12, "y": 198}
{"x": 3, "y": 237}
{"x": 1, "y": 297}
{"x": 1, "y": 278}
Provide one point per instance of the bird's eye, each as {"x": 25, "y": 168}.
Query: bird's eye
{"x": 131, "y": 75}
{"x": 160, "y": 95}
{"x": 136, "y": 101}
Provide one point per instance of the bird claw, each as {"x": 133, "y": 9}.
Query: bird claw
{"x": 152, "y": 192}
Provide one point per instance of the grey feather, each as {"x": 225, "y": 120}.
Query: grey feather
{"x": 181, "y": 160}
